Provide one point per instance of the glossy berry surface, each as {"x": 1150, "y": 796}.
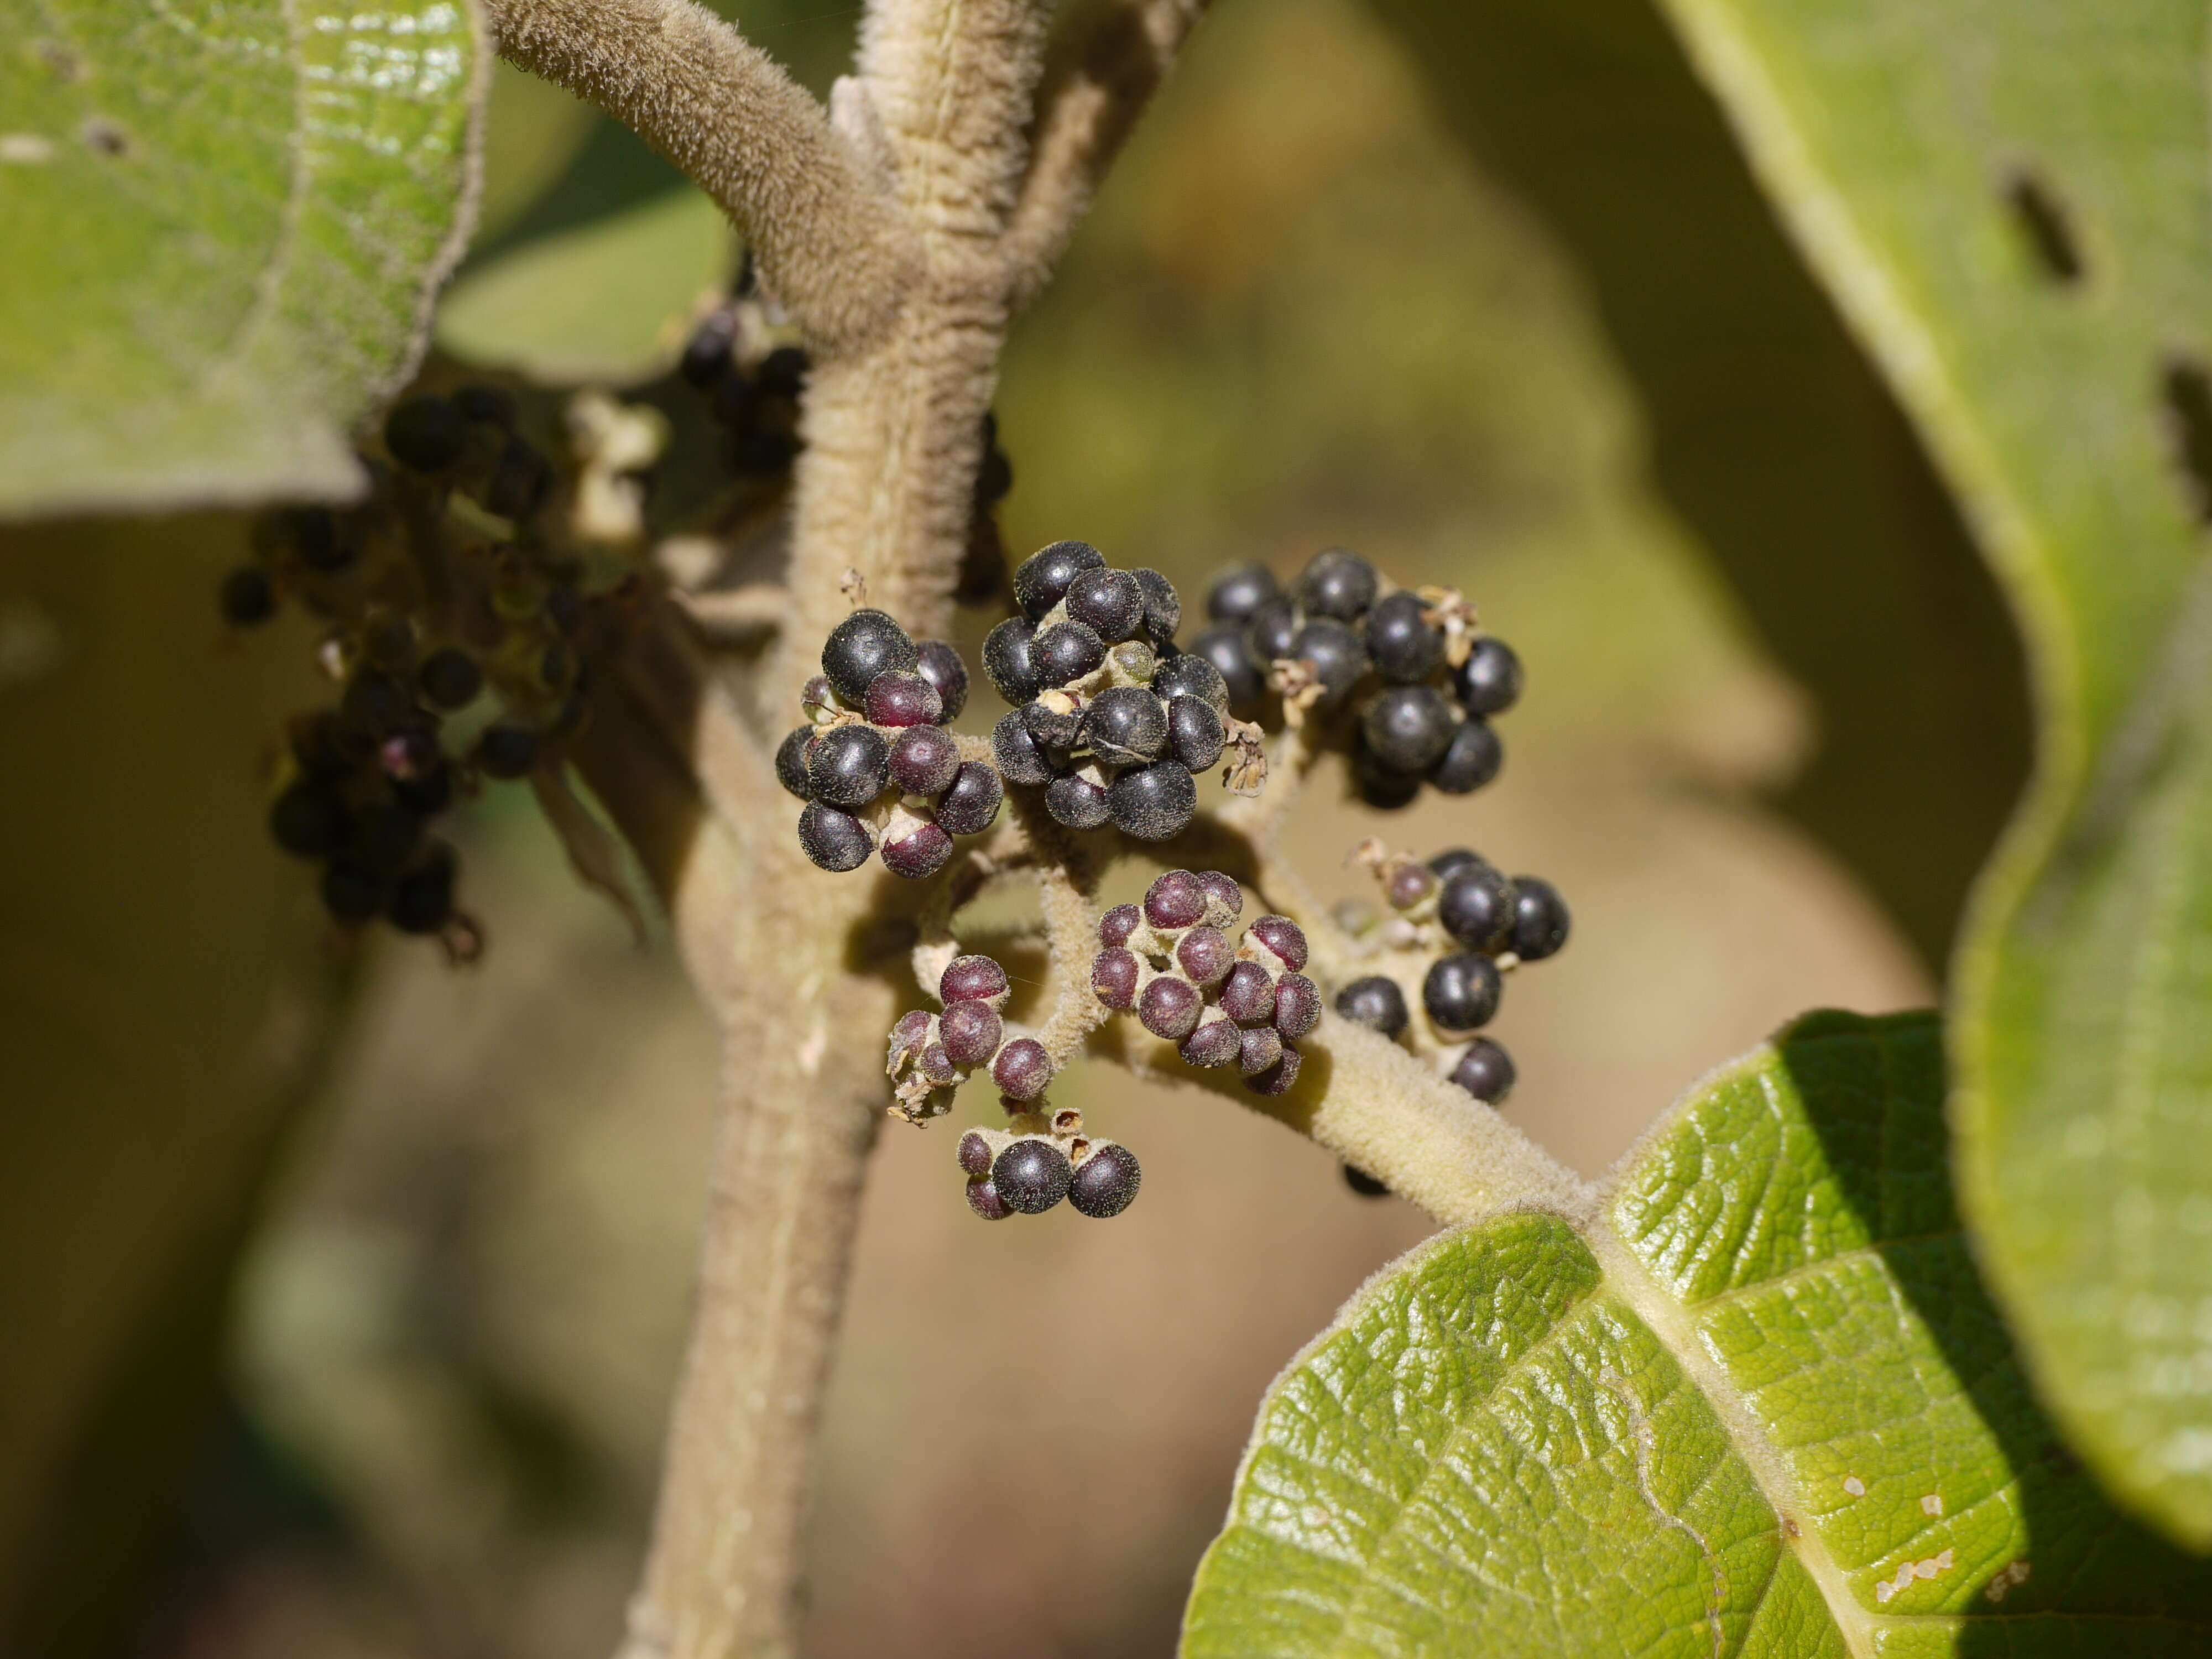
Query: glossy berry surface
{"x": 940, "y": 664}
{"x": 1408, "y": 728}
{"x": 1043, "y": 578}
{"x": 791, "y": 759}
{"x": 1191, "y": 676}
{"x": 1022, "y": 759}
{"x": 970, "y": 804}
{"x": 1338, "y": 657}
{"x": 833, "y": 840}
{"x": 1126, "y": 725}
{"x": 1454, "y": 857}
{"x": 974, "y": 1153}
{"x": 1485, "y": 1071}
{"x": 1195, "y": 734}
{"x": 1461, "y": 991}
{"x": 972, "y": 979}
{"x": 1163, "y": 604}
{"x": 1238, "y": 591}
{"x": 1115, "y": 926}
{"x": 1242, "y": 680}
{"x": 1259, "y": 1050}
{"x": 1247, "y": 995}
{"x": 1272, "y": 631}
{"x": 1206, "y": 955}
{"x": 1540, "y": 920}
{"x": 1471, "y": 760}
{"x": 866, "y": 644}
{"x": 1490, "y": 678}
{"x": 923, "y": 760}
{"x": 1008, "y": 663}
{"x": 923, "y": 851}
{"x": 1338, "y": 584}
{"x": 1222, "y": 893}
{"x": 1475, "y": 906}
{"x": 1405, "y": 647}
{"x": 1032, "y": 1174}
{"x": 849, "y": 766}
{"x": 983, "y": 1199}
{"x": 1213, "y": 1042}
{"x": 903, "y": 699}
{"x": 1065, "y": 652}
{"x": 1107, "y": 602}
{"x": 1376, "y": 1002}
{"x": 1281, "y": 1077}
{"x": 1153, "y": 803}
{"x": 1076, "y": 802}
{"x": 1106, "y": 1183}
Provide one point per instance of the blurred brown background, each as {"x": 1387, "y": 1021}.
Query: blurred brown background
{"x": 1302, "y": 315}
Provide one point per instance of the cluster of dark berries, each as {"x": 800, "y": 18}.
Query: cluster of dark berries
{"x": 1027, "y": 1173}
{"x": 933, "y": 1054}
{"x": 755, "y": 402}
{"x": 1222, "y": 1003}
{"x": 874, "y": 763}
{"x": 1109, "y": 718}
{"x": 1402, "y": 670}
{"x": 459, "y": 645}
{"x": 1485, "y": 924}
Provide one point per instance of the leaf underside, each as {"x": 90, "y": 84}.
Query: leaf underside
{"x": 224, "y": 222}
{"x": 2013, "y": 203}
{"x": 1762, "y": 1407}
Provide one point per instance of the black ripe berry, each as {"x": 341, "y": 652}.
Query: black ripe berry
{"x": 1490, "y": 678}
{"x": 1195, "y": 733}
{"x": 1044, "y": 577}
{"x": 940, "y": 664}
{"x": 1273, "y": 630}
{"x": 1539, "y": 919}
{"x": 247, "y": 597}
{"x": 1022, "y": 759}
{"x": 307, "y": 821}
{"x": 1238, "y": 591}
{"x": 426, "y": 434}
{"x": 1405, "y": 647}
{"x": 1125, "y": 725}
{"x": 1408, "y": 728}
{"x": 849, "y": 766}
{"x": 1338, "y": 584}
{"x": 1461, "y": 991}
{"x": 1163, "y": 604}
{"x": 835, "y": 840}
{"x": 1485, "y": 1071}
{"x": 1338, "y": 657}
{"x": 1375, "y": 1001}
{"x": 970, "y": 804}
{"x": 1153, "y": 803}
{"x": 791, "y": 760}
{"x": 1065, "y": 652}
{"x": 352, "y": 892}
{"x": 924, "y": 759}
{"x": 1453, "y": 857}
{"x": 449, "y": 678}
{"x": 1076, "y": 802}
{"x": 422, "y": 899}
{"x": 1471, "y": 760}
{"x": 1476, "y": 905}
{"x": 1109, "y": 603}
{"x": 507, "y": 751}
{"x": 1243, "y": 681}
{"x": 866, "y": 644}
{"x": 1009, "y": 660}
{"x": 1191, "y": 676}
{"x": 922, "y": 851}
{"x": 1032, "y": 1174}
{"x": 1106, "y": 1183}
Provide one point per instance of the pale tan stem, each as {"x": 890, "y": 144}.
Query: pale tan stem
{"x": 830, "y": 240}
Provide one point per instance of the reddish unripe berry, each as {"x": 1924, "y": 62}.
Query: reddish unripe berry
{"x": 1115, "y": 926}
{"x": 983, "y": 1199}
{"x": 1259, "y": 1049}
{"x": 1298, "y": 1005}
{"x": 910, "y": 1033}
{"x": 972, "y": 979}
{"x": 903, "y": 700}
{"x": 1206, "y": 954}
{"x": 1176, "y": 900}
{"x": 1215, "y": 1042}
{"x": 1409, "y": 884}
{"x": 923, "y": 852}
{"x": 1247, "y": 995}
{"x": 924, "y": 760}
{"x": 937, "y": 1066}
{"x": 974, "y": 1153}
{"x": 1022, "y": 1069}
{"x": 972, "y": 1032}
{"x": 1282, "y": 936}
{"x": 1114, "y": 978}
{"x": 1278, "y": 1078}
{"x": 1226, "y": 894}
{"x": 1169, "y": 1008}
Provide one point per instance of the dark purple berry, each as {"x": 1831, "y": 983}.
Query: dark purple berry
{"x": 1409, "y": 884}
{"x": 940, "y": 664}
{"x": 1163, "y": 604}
{"x": 1272, "y": 630}
{"x": 1476, "y": 905}
{"x": 1338, "y": 583}
{"x": 791, "y": 759}
{"x": 307, "y": 821}
{"x": 1126, "y": 725}
{"x": 1453, "y": 857}
{"x": 908, "y": 1034}
{"x": 1044, "y": 577}
{"x": 1076, "y": 802}
{"x": 922, "y": 851}
{"x": 1191, "y": 676}
{"x": 866, "y": 644}
{"x": 1032, "y": 1174}
{"x": 974, "y": 1153}
{"x": 1153, "y": 803}
{"x": 1485, "y": 1071}
{"x": 247, "y": 597}
{"x": 1065, "y": 653}
{"x": 1206, "y": 955}
{"x": 969, "y": 806}
{"x": 1338, "y": 657}
{"x": 1378, "y": 785}
{"x": 1107, "y": 602}
{"x": 1170, "y": 1008}
{"x": 1239, "y": 591}
{"x": 1113, "y": 977}
{"x": 897, "y": 699}
{"x": 835, "y": 840}
{"x": 507, "y": 751}
{"x": 1471, "y": 760}
{"x": 972, "y": 979}
{"x": 937, "y": 1067}
{"x": 983, "y": 1199}
{"x": 1022, "y": 1069}
{"x": 706, "y": 357}
{"x": 1022, "y": 759}
{"x": 1009, "y": 660}
{"x": 1461, "y": 991}
{"x": 1175, "y": 899}
{"x": 1215, "y": 1042}
{"x": 1490, "y": 678}
{"x": 1376, "y": 1002}
{"x": 422, "y": 899}
{"x": 1106, "y": 1183}
{"x": 971, "y": 1031}
{"x": 1115, "y": 926}
{"x": 426, "y": 434}
{"x": 1225, "y": 893}
{"x": 449, "y": 678}
{"x": 1539, "y": 919}
{"x": 1298, "y": 1005}
{"x": 849, "y": 766}
{"x": 1405, "y": 647}
{"x": 1408, "y": 728}
{"x": 923, "y": 758}
{"x": 1247, "y": 995}
{"x": 1195, "y": 734}
{"x": 1259, "y": 1049}
{"x": 1278, "y": 1078}
{"x": 1282, "y": 936}
{"x": 1243, "y": 682}
{"x": 351, "y": 892}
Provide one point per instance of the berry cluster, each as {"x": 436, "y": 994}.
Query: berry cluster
{"x": 1028, "y": 1173}
{"x": 458, "y": 637}
{"x": 1402, "y": 669}
{"x": 1221, "y": 1003}
{"x": 874, "y": 763}
{"x": 933, "y": 1054}
{"x": 752, "y": 386}
{"x": 1485, "y": 924}
{"x": 1109, "y": 718}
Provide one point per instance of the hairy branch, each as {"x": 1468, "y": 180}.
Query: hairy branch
{"x": 830, "y": 239}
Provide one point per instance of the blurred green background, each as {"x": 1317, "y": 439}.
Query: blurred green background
{"x": 344, "y": 1295}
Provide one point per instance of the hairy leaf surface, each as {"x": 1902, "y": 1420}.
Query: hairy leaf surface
{"x": 223, "y": 224}
{"x": 1760, "y": 1404}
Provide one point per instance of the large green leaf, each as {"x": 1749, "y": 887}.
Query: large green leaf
{"x": 2013, "y": 205}
{"x": 1758, "y": 1404}
{"x": 224, "y": 220}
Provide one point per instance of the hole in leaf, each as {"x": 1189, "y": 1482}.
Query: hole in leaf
{"x": 2047, "y": 227}
{"x": 2186, "y": 389}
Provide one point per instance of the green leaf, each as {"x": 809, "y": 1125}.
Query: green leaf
{"x": 2013, "y": 206}
{"x": 1760, "y": 1404}
{"x": 224, "y": 224}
